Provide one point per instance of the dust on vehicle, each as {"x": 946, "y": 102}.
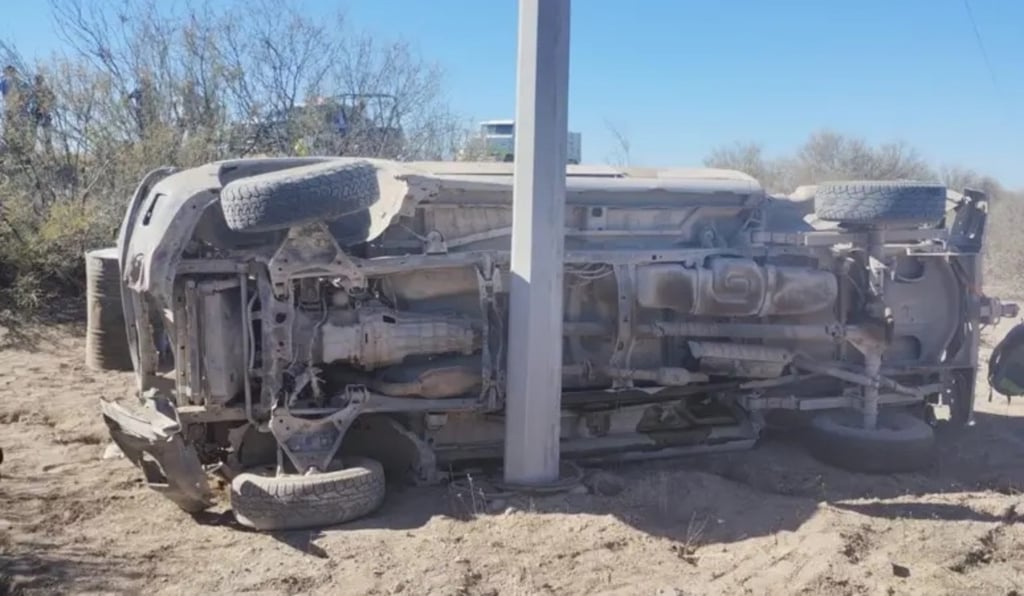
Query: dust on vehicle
{"x": 302, "y": 327}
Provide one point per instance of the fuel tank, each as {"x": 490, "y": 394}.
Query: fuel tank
{"x": 736, "y": 287}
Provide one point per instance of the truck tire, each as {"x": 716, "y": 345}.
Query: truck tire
{"x": 880, "y": 203}
{"x": 106, "y": 335}
{"x": 294, "y": 501}
{"x": 901, "y": 442}
{"x": 296, "y": 196}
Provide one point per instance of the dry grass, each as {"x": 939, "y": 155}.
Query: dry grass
{"x": 1004, "y": 247}
{"x": 725, "y": 524}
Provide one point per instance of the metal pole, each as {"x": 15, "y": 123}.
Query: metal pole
{"x": 533, "y": 405}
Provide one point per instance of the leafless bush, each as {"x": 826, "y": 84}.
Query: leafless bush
{"x": 143, "y": 84}
{"x": 466, "y": 498}
{"x": 687, "y": 548}
{"x": 959, "y": 178}
{"x": 749, "y": 158}
{"x": 827, "y": 155}
{"x": 621, "y": 154}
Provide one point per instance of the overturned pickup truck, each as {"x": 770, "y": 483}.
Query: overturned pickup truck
{"x": 300, "y": 326}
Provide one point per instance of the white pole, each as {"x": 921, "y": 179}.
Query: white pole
{"x": 533, "y": 403}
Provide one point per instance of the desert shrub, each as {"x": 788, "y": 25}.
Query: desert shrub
{"x": 827, "y": 155}
{"x": 147, "y": 84}
{"x": 1004, "y": 247}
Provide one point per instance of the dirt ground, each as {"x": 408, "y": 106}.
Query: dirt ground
{"x": 767, "y": 521}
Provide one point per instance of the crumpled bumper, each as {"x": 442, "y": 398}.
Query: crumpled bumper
{"x": 150, "y": 437}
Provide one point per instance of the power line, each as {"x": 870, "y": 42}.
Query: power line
{"x": 981, "y": 46}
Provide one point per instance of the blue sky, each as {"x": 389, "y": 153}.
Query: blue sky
{"x": 680, "y": 77}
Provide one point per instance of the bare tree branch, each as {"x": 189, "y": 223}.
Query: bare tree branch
{"x": 145, "y": 83}
{"x": 620, "y": 153}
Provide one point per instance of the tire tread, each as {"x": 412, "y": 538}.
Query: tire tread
{"x": 292, "y": 502}
{"x": 868, "y": 202}
{"x": 282, "y": 199}
{"x": 910, "y": 447}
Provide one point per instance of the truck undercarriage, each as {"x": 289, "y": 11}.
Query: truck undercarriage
{"x": 291, "y": 319}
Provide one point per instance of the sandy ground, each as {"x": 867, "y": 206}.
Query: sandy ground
{"x": 767, "y": 521}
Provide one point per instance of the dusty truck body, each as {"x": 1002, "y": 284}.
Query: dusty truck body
{"x": 299, "y": 326}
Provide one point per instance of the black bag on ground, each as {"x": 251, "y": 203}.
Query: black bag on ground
{"x": 1006, "y": 365}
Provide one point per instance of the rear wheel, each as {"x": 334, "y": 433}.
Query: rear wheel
{"x": 880, "y": 203}
{"x": 900, "y": 442}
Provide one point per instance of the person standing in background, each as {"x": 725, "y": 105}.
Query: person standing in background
{"x": 42, "y": 109}
{"x": 13, "y": 91}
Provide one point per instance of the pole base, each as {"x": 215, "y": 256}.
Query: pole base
{"x": 570, "y": 476}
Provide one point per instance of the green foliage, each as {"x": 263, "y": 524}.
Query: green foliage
{"x": 147, "y": 84}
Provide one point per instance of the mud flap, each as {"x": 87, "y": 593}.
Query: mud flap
{"x": 150, "y": 437}
{"x": 1006, "y": 365}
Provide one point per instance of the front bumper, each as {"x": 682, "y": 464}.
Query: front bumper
{"x": 150, "y": 437}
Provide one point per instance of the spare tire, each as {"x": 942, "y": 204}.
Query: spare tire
{"x": 285, "y": 198}
{"x": 352, "y": 489}
{"x": 880, "y": 203}
{"x": 900, "y": 442}
{"x": 106, "y": 335}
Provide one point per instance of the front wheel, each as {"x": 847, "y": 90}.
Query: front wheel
{"x": 282, "y": 199}
{"x": 900, "y": 442}
{"x": 352, "y": 489}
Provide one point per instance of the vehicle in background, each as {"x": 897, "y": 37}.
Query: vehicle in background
{"x": 496, "y": 141}
{"x": 346, "y": 124}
